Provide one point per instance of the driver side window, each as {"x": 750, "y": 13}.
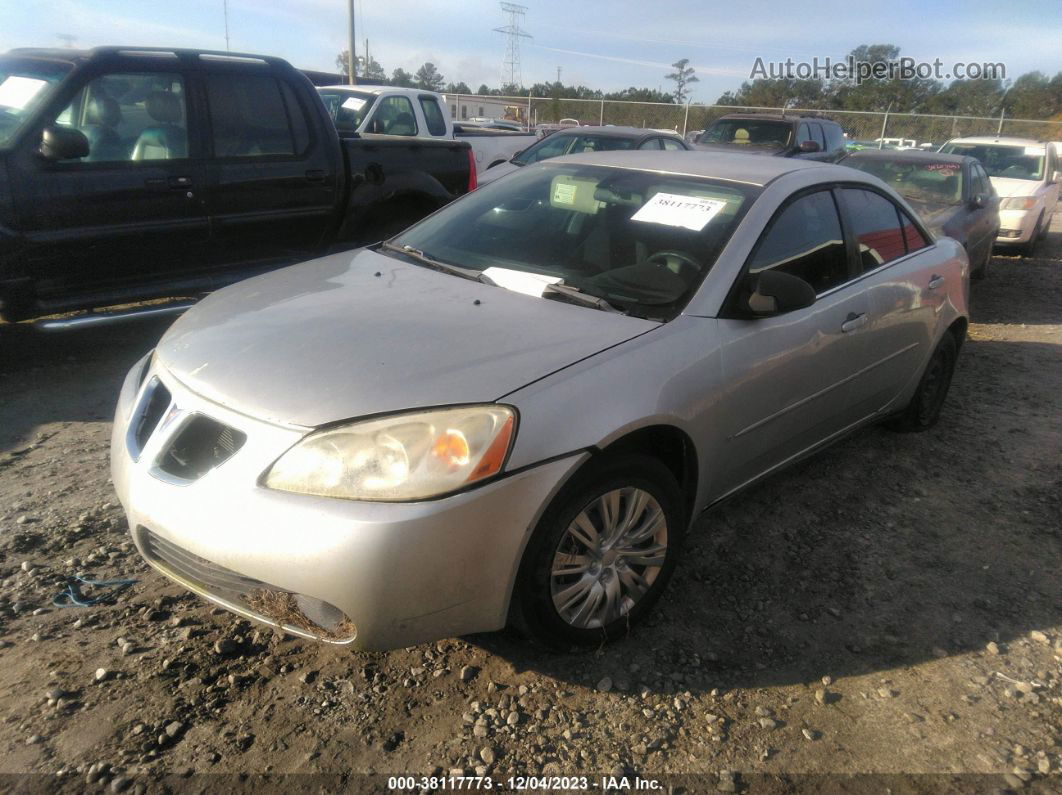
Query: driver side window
{"x": 130, "y": 117}
{"x": 805, "y": 240}
{"x": 393, "y": 116}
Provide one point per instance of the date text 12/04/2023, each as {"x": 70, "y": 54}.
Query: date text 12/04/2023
{"x": 521, "y": 783}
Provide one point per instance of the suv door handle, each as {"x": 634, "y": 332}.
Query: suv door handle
{"x": 853, "y": 322}
{"x": 315, "y": 175}
{"x": 935, "y": 281}
{"x": 180, "y": 183}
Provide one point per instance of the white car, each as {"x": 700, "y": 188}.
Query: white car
{"x": 1025, "y": 174}
{"x": 387, "y": 110}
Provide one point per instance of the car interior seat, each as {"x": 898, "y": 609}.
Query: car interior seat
{"x": 403, "y": 124}
{"x": 102, "y": 117}
{"x": 165, "y": 140}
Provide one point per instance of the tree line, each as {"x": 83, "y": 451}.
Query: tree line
{"x": 1032, "y": 95}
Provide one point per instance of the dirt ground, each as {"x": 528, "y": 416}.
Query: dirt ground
{"x": 886, "y": 615}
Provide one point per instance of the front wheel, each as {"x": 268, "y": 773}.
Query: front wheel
{"x": 923, "y": 412}
{"x": 601, "y": 555}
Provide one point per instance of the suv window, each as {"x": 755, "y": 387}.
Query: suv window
{"x": 671, "y": 145}
{"x": 981, "y": 183}
{"x": 433, "y": 116}
{"x": 876, "y": 223}
{"x": 834, "y": 136}
{"x": 805, "y": 240}
{"x": 131, "y": 117}
{"x": 393, "y": 116}
{"x": 819, "y": 138}
{"x": 650, "y": 143}
{"x": 803, "y": 133}
{"x": 248, "y": 116}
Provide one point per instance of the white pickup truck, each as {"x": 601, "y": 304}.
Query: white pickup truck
{"x": 387, "y": 110}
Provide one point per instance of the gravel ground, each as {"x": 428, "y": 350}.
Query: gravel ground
{"x": 891, "y": 609}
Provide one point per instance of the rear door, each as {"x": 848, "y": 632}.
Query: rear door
{"x": 790, "y": 376}
{"x": 130, "y": 212}
{"x": 273, "y": 184}
{"x": 905, "y": 295}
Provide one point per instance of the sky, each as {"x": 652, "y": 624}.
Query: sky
{"x": 606, "y": 45}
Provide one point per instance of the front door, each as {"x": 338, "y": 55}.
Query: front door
{"x": 128, "y": 213}
{"x": 790, "y": 376}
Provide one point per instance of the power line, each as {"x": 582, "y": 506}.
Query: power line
{"x": 511, "y": 66}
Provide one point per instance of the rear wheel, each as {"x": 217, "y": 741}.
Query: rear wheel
{"x": 924, "y": 409}
{"x": 601, "y": 555}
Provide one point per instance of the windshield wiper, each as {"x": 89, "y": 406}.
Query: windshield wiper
{"x": 576, "y": 296}
{"x": 435, "y": 264}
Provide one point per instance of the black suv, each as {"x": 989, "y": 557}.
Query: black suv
{"x": 806, "y": 137}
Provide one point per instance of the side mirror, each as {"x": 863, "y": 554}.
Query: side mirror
{"x": 775, "y": 292}
{"x": 809, "y": 146}
{"x": 61, "y": 143}
{"x": 978, "y": 200}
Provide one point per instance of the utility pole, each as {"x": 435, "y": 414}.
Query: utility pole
{"x": 352, "y": 72}
{"x": 558, "y": 75}
{"x": 513, "y": 34}
{"x": 225, "y": 8}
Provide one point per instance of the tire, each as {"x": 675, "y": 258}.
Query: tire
{"x": 982, "y": 270}
{"x": 605, "y": 593}
{"x": 923, "y": 412}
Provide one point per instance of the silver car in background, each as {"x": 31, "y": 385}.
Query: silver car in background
{"x": 512, "y": 412}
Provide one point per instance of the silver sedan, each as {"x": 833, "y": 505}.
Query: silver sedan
{"x": 512, "y": 412}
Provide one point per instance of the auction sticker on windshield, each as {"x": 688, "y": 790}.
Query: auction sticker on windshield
{"x": 689, "y": 212}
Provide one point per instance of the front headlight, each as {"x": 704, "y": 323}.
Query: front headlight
{"x": 1018, "y": 203}
{"x": 412, "y": 456}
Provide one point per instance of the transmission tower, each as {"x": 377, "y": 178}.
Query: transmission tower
{"x": 513, "y": 33}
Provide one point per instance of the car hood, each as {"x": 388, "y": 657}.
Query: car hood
{"x": 1008, "y": 186}
{"x": 361, "y": 333}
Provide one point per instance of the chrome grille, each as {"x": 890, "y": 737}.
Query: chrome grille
{"x": 153, "y": 404}
{"x": 201, "y": 445}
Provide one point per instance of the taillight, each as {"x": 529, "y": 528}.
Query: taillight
{"x": 472, "y": 184}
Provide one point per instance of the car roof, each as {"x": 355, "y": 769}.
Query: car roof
{"x": 748, "y": 168}
{"x": 910, "y": 155}
{"x": 615, "y": 132}
{"x": 789, "y": 117}
{"x": 1003, "y": 140}
{"x": 374, "y": 89}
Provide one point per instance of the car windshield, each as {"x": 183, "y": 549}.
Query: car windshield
{"x": 747, "y": 132}
{"x": 934, "y": 182}
{"x": 640, "y": 240}
{"x": 24, "y": 84}
{"x": 347, "y": 108}
{"x": 1012, "y": 162}
{"x": 557, "y": 145}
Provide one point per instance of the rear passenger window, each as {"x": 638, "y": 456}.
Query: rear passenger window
{"x": 433, "y": 116}
{"x": 672, "y": 146}
{"x": 652, "y": 143}
{"x": 816, "y": 131}
{"x": 297, "y": 117}
{"x": 876, "y": 224}
{"x": 805, "y": 240}
{"x": 248, "y": 116}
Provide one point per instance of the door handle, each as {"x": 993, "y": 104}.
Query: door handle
{"x": 935, "y": 281}
{"x": 853, "y": 322}
{"x": 180, "y": 183}
{"x": 315, "y": 175}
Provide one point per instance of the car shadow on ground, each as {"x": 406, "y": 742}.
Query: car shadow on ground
{"x": 66, "y": 376}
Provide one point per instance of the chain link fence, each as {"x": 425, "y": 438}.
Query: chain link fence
{"x": 922, "y": 128}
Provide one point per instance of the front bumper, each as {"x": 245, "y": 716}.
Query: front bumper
{"x": 399, "y": 573}
{"x": 1016, "y": 227}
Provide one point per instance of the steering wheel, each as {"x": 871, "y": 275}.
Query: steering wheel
{"x": 670, "y": 258}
